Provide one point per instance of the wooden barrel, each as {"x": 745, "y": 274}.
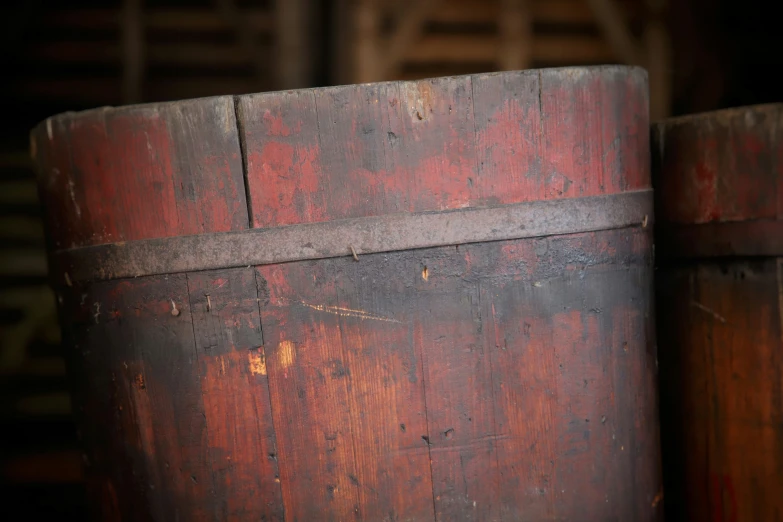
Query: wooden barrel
{"x": 719, "y": 189}
{"x": 399, "y": 301}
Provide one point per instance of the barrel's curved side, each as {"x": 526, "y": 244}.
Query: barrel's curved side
{"x": 141, "y": 397}
{"x": 719, "y": 312}
{"x": 492, "y": 381}
{"x": 720, "y": 361}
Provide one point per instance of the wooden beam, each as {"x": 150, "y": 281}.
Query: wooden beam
{"x": 454, "y": 48}
{"x": 614, "y": 27}
{"x": 658, "y": 60}
{"x": 106, "y": 91}
{"x": 132, "y": 31}
{"x": 407, "y": 33}
{"x": 163, "y": 54}
{"x": 466, "y": 12}
{"x": 546, "y": 49}
{"x": 18, "y": 192}
{"x": 245, "y": 35}
{"x": 158, "y": 19}
{"x": 554, "y": 50}
{"x": 516, "y": 35}
{"x": 342, "y": 27}
{"x": 54, "y": 468}
{"x": 196, "y": 20}
{"x": 293, "y": 63}
{"x": 366, "y": 59}
{"x": 21, "y": 262}
{"x": 207, "y": 55}
{"x": 562, "y": 12}
{"x": 555, "y": 12}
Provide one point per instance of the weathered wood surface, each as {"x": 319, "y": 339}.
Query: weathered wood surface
{"x": 720, "y": 332}
{"x": 509, "y": 380}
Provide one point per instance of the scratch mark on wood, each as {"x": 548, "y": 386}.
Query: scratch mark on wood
{"x": 710, "y": 311}
{"x": 348, "y": 312}
{"x": 72, "y": 193}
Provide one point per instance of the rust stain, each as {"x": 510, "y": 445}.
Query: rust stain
{"x": 256, "y": 362}
{"x": 286, "y": 353}
{"x": 348, "y": 312}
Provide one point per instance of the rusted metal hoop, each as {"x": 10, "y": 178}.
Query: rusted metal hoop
{"x": 352, "y": 237}
{"x": 755, "y": 238}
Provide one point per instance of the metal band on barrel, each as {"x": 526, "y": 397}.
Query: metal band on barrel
{"x": 352, "y": 237}
{"x": 756, "y": 238}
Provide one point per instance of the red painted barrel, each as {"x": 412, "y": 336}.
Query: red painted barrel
{"x": 720, "y": 285}
{"x": 399, "y": 301}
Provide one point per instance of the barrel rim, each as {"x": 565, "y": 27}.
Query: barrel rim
{"x": 699, "y": 117}
{"x": 631, "y": 70}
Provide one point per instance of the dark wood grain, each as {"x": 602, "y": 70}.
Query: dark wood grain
{"x": 143, "y": 375}
{"x": 721, "y": 391}
{"x": 341, "y": 364}
{"x": 719, "y": 317}
{"x": 241, "y": 437}
{"x": 504, "y": 428}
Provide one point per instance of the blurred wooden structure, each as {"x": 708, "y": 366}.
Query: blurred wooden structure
{"x": 409, "y": 39}
{"x": 719, "y": 246}
{"x": 132, "y": 50}
{"x": 40, "y": 462}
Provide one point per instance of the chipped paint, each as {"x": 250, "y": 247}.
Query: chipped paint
{"x": 286, "y": 354}
{"x": 256, "y": 362}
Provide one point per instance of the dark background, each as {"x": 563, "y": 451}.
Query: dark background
{"x": 59, "y": 56}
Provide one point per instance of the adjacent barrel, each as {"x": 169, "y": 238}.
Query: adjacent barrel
{"x": 719, "y": 189}
{"x": 419, "y": 301}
